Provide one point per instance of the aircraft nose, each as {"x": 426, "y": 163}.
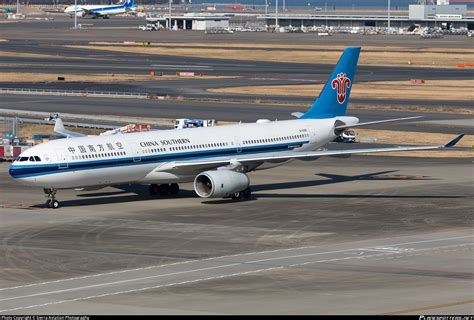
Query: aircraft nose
{"x": 14, "y": 171}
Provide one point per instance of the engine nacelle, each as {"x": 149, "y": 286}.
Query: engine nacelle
{"x": 220, "y": 183}
{"x": 80, "y": 14}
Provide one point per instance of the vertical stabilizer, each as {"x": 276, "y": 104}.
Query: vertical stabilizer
{"x": 333, "y": 99}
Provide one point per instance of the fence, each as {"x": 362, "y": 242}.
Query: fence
{"x": 78, "y": 93}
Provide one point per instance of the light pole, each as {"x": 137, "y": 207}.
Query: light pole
{"x": 75, "y": 14}
{"x": 388, "y": 22}
{"x": 266, "y": 7}
{"x": 276, "y": 14}
{"x": 169, "y": 13}
{"x": 17, "y": 6}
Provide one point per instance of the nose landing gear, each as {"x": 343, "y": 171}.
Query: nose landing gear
{"x": 51, "y": 202}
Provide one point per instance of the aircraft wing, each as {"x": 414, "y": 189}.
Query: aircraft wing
{"x": 59, "y": 128}
{"x": 276, "y": 157}
{"x": 91, "y": 12}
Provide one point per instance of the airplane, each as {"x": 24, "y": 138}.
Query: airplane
{"x": 100, "y": 11}
{"x": 216, "y": 159}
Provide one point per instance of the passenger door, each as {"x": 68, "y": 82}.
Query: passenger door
{"x": 238, "y": 144}
{"x": 63, "y": 162}
{"x": 136, "y": 152}
{"x": 312, "y": 134}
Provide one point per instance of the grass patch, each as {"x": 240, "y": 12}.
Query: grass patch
{"x": 386, "y": 57}
{"x": 112, "y": 77}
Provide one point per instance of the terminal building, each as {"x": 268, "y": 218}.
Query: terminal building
{"x": 191, "y": 22}
{"x": 443, "y": 15}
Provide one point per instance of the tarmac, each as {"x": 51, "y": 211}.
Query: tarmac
{"x": 365, "y": 235}
{"x": 451, "y": 123}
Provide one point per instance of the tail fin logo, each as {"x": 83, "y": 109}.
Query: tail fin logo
{"x": 341, "y": 83}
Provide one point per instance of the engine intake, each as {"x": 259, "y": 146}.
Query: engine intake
{"x": 220, "y": 183}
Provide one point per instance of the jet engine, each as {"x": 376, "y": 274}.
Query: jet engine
{"x": 220, "y": 183}
{"x": 80, "y": 13}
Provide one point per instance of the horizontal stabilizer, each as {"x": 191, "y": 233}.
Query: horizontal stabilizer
{"x": 361, "y": 124}
{"x": 297, "y": 114}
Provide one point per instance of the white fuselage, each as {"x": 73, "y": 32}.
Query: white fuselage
{"x": 147, "y": 157}
{"x": 97, "y": 9}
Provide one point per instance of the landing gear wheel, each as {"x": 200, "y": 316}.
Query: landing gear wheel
{"x": 153, "y": 189}
{"x": 51, "y": 202}
{"x": 54, "y": 204}
{"x": 237, "y": 196}
{"x": 164, "y": 189}
{"x": 174, "y": 188}
{"x": 247, "y": 193}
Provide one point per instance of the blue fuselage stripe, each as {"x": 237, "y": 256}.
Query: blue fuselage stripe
{"x": 25, "y": 171}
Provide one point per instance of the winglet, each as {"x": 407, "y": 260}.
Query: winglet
{"x": 453, "y": 142}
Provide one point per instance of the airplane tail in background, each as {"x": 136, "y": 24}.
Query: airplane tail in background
{"x": 129, "y": 3}
{"x": 333, "y": 99}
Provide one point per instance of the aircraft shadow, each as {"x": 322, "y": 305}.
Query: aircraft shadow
{"x": 349, "y": 196}
{"x": 332, "y": 179}
{"x": 126, "y": 193}
{"x": 132, "y": 193}
{"x": 335, "y": 178}
{"x": 328, "y": 196}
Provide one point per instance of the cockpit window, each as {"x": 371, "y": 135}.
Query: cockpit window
{"x": 37, "y": 158}
{"x": 32, "y": 159}
{"x": 23, "y": 159}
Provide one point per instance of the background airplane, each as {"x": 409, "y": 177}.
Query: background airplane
{"x": 217, "y": 159}
{"x": 100, "y": 11}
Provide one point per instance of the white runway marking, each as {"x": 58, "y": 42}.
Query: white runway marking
{"x": 225, "y": 256}
{"x": 142, "y": 289}
{"x": 193, "y": 271}
{"x": 174, "y": 66}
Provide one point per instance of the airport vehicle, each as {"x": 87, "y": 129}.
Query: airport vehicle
{"x": 194, "y": 123}
{"x": 148, "y": 27}
{"x": 100, "y": 11}
{"x": 216, "y": 159}
{"x": 348, "y": 136}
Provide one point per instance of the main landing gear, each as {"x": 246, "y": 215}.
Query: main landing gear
{"x": 164, "y": 189}
{"x": 51, "y": 202}
{"x": 246, "y": 194}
